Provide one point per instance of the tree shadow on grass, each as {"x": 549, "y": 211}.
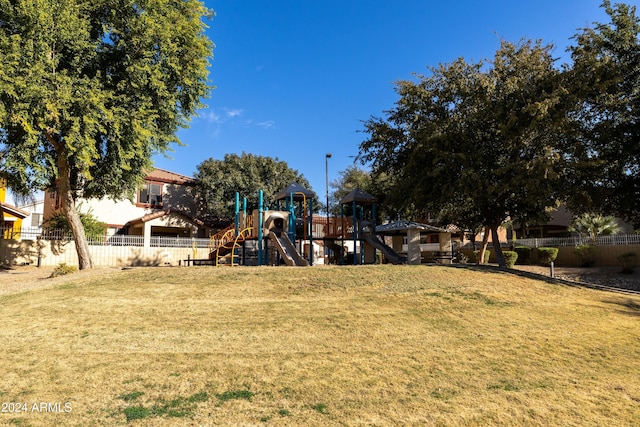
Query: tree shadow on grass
{"x": 627, "y": 306}
{"x": 510, "y": 271}
{"x": 535, "y": 276}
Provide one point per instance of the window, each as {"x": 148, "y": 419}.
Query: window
{"x": 151, "y": 194}
{"x": 36, "y": 219}
{"x": 53, "y": 195}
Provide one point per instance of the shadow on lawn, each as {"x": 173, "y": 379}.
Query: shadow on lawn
{"x": 627, "y": 306}
{"x": 535, "y": 276}
{"x": 497, "y": 270}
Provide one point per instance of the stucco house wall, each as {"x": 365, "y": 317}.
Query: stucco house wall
{"x": 164, "y": 206}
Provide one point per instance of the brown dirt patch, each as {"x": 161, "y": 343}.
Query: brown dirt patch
{"x": 21, "y": 279}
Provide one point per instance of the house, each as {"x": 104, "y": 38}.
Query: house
{"x": 558, "y": 226}
{"x": 13, "y": 218}
{"x": 163, "y": 207}
{"x": 12, "y": 215}
{"x": 33, "y": 221}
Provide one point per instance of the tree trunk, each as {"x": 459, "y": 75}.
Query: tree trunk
{"x": 68, "y": 204}
{"x": 483, "y": 248}
{"x": 497, "y": 247}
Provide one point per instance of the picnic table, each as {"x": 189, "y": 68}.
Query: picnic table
{"x": 440, "y": 256}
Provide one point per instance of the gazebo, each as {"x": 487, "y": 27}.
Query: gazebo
{"x": 412, "y": 230}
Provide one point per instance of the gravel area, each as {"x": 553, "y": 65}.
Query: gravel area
{"x": 604, "y": 276}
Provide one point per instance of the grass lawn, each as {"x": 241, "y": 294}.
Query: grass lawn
{"x": 376, "y": 345}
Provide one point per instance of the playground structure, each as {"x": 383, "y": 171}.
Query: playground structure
{"x": 355, "y": 237}
{"x": 286, "y": 235}
{"x": 361, "y": 232}
{"x": 280, "y": 238}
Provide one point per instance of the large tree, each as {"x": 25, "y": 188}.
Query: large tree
{"x": 217, "y": 182}
{"x": 476, "y": 143}
{"x": 605, "y": 78}
{"x": 348, "y": 180}
{"x": 377, "y": 185}
{"x": 89, "y": 90}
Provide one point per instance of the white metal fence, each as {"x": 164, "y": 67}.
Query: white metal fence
{"x": 33, "y": 233}
{"x": 613, "y": 239}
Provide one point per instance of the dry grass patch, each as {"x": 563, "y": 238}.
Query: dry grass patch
{"x": 383, "y": 345}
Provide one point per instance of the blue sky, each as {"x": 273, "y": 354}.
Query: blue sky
{"x": 295, "y": 78}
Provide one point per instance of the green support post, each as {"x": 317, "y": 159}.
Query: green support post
{"x": 259, "y": 225}
{"x": 310, "y": 231}
{"x": 355, "y": 230}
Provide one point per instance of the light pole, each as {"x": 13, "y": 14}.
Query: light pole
{"x": 327, "y": 157}
{"x": 326, "y": 160}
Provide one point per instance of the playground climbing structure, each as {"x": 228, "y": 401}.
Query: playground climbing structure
{"x": 272, "y": 234}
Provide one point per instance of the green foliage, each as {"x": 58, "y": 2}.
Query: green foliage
{"x": 546, "y": 256}
{"x": 476, "y": 143}
{"x": 524, "y": 254}
{"x": 63, "y": 269}
{"x": 109, "y": 82}
{"x": 586, "y": 254}
{"x": 594, "y": 225}
{"x": 217, "y": 182}
{"x": 93, "y": 228}
{"x": 378, "y": 185}
{"x": 349, "y": 179}
{"x": 510, "y": 258}
{"x": 90, "y": 90}
{"x": 462, "y": 258}
{"x": 606, "y": 109}
{"x": 476, "y": 254}
{"x": 629, "y": 261}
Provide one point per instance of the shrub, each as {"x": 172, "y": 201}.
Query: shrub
{"x": 93, "y": 228}
{"x": 586, "y": 253}
{"x": 546, "y": 255}
{"x": 510, "y": 258}
{"x": 63, "y": 269}
{"x": 487, "y": 254}
{"x": 462, "y": 258}
{"x": 629, "y": 262}
{"x": 524, "y": 254}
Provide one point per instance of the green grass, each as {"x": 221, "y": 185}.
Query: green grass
{"x": 379, "y": 345}
{"x": 178, "y": 407}
{"x": 234, "y": 394}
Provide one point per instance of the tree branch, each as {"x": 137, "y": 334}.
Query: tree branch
{"x": 56, "y": 145}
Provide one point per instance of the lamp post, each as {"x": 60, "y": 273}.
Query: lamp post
{"x": 326, "y": 159}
